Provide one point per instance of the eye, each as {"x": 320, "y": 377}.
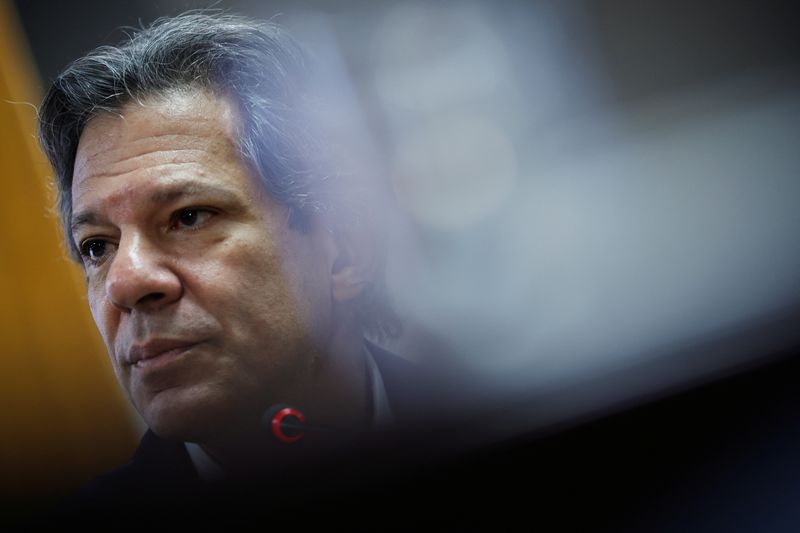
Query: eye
{"x": 190, "y": 217}
{"x": 94, "y": 250}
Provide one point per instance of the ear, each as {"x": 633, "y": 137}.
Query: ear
{"x": 354, "y": 263}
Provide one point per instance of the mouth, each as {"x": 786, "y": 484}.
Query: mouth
{"x": 157, "y": 351}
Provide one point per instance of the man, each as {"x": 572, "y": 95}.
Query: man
{"x": 223, "y": 269}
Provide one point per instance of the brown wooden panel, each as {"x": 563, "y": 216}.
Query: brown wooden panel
{"x": 62, "y": 416}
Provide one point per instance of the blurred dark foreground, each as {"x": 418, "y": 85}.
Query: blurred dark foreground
{"x": 718, "y": 456}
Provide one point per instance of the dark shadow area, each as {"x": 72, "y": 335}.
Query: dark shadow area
{"x": 718, "y": 456}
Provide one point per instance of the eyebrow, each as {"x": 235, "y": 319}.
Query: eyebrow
{"x": 165, "y": 195}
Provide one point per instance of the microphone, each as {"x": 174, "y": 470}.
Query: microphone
{"x": 288, "y": 424}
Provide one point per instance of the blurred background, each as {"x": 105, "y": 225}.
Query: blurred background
{"x": 593, "y": 204}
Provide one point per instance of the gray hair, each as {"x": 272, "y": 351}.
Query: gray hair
{"x": 258, "y": 65}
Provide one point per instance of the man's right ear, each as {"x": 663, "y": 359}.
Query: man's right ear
{"x": 354, "y": 264}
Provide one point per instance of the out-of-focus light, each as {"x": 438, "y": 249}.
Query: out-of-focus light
{"x": 431, "y": 59}
{"x": 454, "y": 172}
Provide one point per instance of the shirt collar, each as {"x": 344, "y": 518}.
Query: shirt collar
{"x": 381, "y": 412}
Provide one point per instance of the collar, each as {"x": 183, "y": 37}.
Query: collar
{"x": 381, "y": 413}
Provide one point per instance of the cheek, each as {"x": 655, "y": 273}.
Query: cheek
{"x": 306, "y": 272}
{"x": 100, "y": 312}
{"x": 248, "y": 291}
{"x": 106, "y": 317}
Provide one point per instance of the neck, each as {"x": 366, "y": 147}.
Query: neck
{"x": 334, "y": 396}
{"x": 338, "y": 397}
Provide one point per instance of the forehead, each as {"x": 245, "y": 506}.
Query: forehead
{"x": 183, "y": 118}
{"x": 188, "y": 135}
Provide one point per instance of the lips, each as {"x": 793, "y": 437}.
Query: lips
{"x": 141, "y": 353}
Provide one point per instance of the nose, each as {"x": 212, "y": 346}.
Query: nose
{"x": 140, "y": 276}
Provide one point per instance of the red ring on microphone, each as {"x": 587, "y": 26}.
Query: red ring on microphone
{"x": 277, "y": 430}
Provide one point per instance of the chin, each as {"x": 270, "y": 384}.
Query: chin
{"x": 176, "y": 415}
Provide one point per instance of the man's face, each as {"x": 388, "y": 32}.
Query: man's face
{"x": 211, "y": 307}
